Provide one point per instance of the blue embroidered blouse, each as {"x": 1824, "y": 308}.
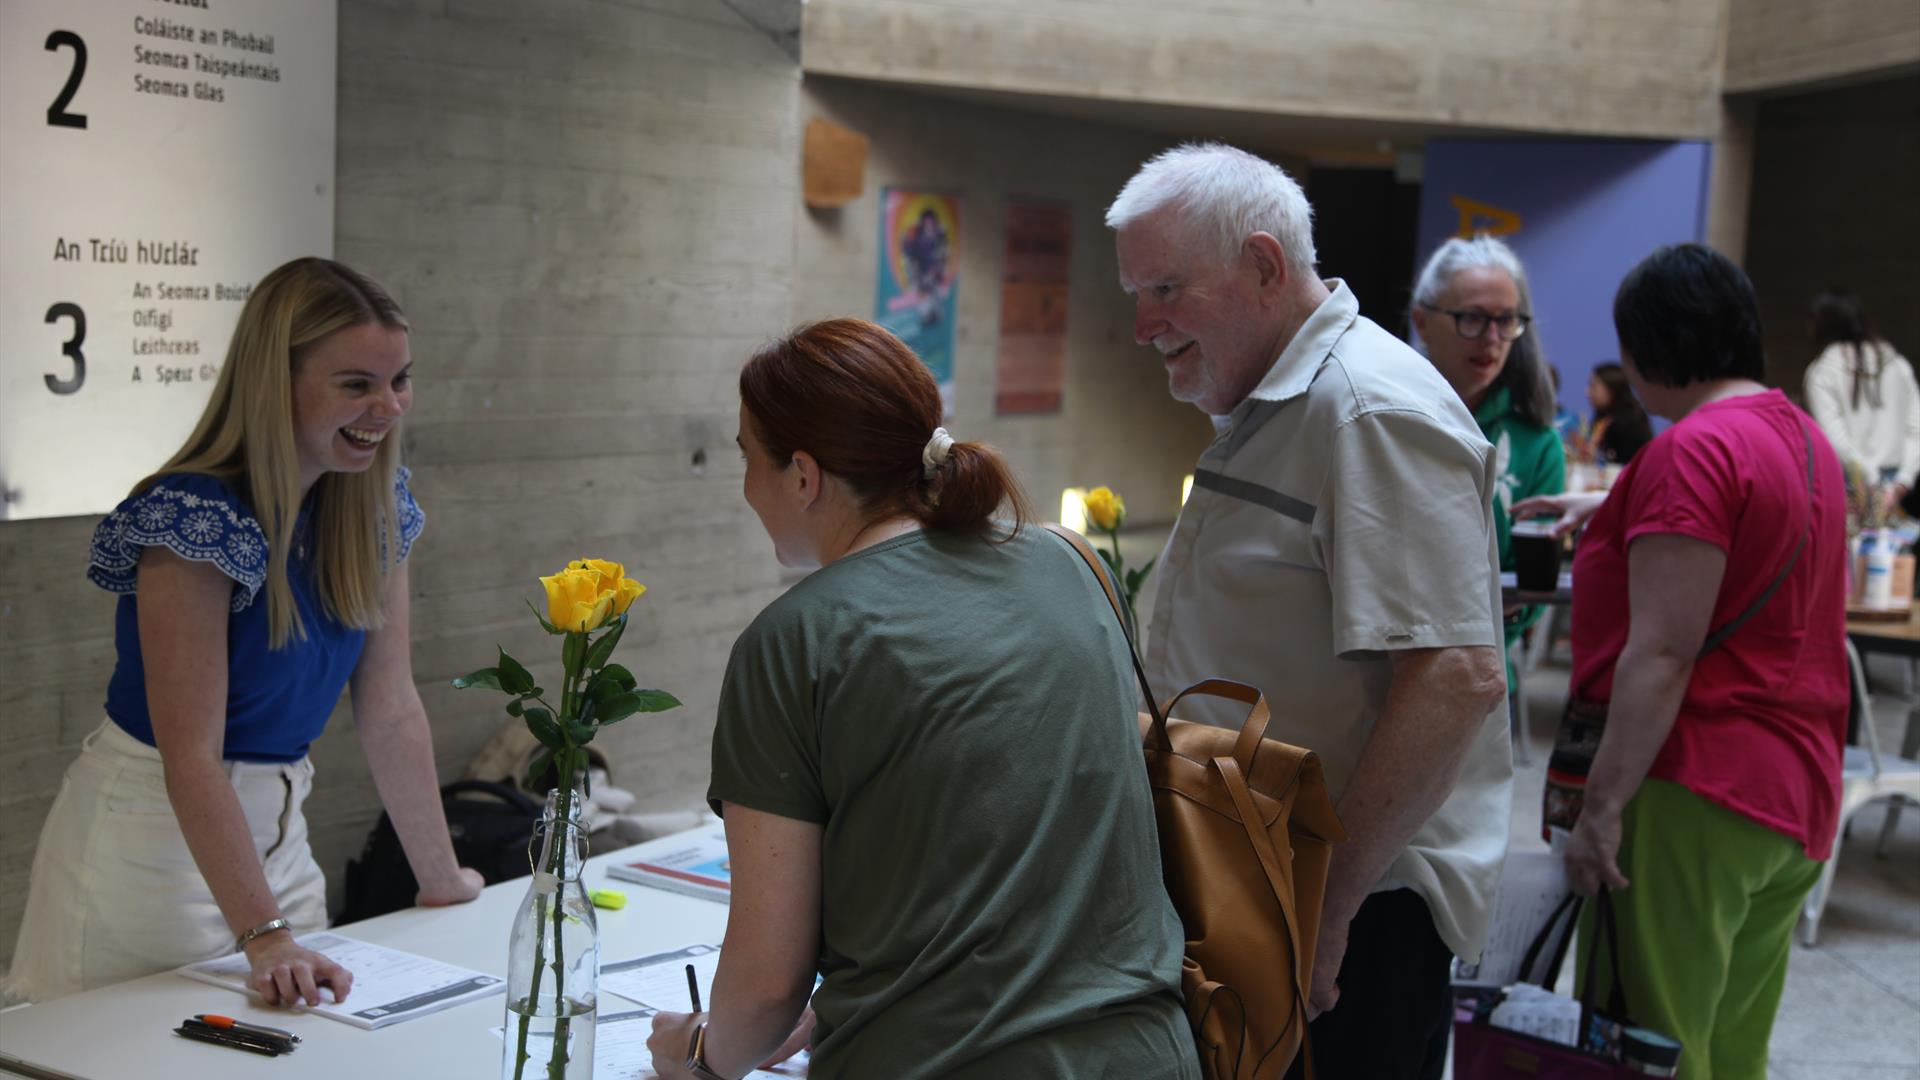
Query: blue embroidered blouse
{"x": 277, "y": 701}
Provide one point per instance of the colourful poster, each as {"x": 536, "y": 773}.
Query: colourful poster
{"x": 1032, "y": 364}
{"x": 919, "y": 272}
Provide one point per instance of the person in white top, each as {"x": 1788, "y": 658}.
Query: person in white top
{"x": 1863, "y": 394}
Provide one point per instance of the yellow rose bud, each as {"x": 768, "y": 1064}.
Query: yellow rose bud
{"x": 1105, "y": 509}
{"x": 610, "y": 572}
{"x": 575, "y": 599}
{"x": 630, "y": 591}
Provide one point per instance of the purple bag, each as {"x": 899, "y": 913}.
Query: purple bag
{"x": 1483, "y": 1052}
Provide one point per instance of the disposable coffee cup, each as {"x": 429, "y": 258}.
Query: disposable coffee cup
{"x": 1536, "y": 556}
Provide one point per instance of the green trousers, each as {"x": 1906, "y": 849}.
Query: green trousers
{"x": 1705, "y": 927}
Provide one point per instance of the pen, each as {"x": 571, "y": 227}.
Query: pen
{"x": 270, "y": 1042}
{"x": 215, "y": 1037}
{"x": 216, "y": 1020}
{"x": 693, "y": 989}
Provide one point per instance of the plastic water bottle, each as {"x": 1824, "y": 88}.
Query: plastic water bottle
{"x": 1877, "y": 550}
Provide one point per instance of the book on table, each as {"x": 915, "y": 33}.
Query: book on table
{"x": 694, "y": 863}
{"x": 389, "y": 985}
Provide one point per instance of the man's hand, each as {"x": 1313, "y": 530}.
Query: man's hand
{"x": 1324, "y": 992}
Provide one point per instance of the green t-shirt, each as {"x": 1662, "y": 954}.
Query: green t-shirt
{"x": 1529, "y": 460}
{"x": 959, "y": 717}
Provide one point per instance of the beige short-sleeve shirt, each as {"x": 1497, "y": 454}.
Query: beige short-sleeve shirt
{"x": 1345, "y": 511}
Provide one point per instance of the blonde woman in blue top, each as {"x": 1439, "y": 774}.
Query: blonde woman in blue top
{"x": 261, "y": 570}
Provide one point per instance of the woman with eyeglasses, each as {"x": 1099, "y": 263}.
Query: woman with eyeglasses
{"x": 1471, "y": 315}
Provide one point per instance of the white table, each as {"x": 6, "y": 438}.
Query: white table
{"x": 126, "y": 1030}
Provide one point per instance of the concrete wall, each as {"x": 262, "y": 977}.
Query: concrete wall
{"x": 588, "y": 211}
{"x": 1780, "y": 43}
{"x": 1116, "y": 426}
{"x": 591, "y": 214}
{"x": 1599, "y": 67}
{"x": 1833, "y": 207}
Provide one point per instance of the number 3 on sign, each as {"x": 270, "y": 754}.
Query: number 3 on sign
{"x": 57, "y": 114}
{"x": 71, "y": 350}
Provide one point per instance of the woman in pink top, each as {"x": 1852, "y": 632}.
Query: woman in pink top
{"x": 1709, "y": 618}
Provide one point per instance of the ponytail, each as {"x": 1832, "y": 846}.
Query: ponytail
{"x": 859, "y": 401}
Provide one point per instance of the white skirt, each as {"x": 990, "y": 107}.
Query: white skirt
{"x": 115, "y": 893}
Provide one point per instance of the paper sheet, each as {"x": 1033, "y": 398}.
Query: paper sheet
{"x": 660, "y": 981}
{"x": 389, "y": 986}
{"x": 620, "y": 1047}
{"x": 1533, "y": 884}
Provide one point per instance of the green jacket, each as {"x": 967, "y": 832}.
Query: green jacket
{"x": 1528, "y": 461}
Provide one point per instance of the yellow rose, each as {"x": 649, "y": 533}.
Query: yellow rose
{"x": 628, "y": 592}
{"x": 575, "y": 599}
{"x": 610, "y": 572}
{"x": 1105, "y": 509}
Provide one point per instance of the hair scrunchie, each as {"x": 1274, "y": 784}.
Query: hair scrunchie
{"x": 935, "y": 453}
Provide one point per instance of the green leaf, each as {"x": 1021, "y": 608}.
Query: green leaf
{"x": 656, "y": 700}
{"x": 548, "y": 626}
{"x": 514, "y": 707}
{"x": 634, "y": 701}
{"x": 540, "y": 722}
{"x": 574, "y": 651}
{"x": 603, "y": 649}
{"x": 582, "y": 732}
{"x": 1112, "y": 561}
{"x": 1147, "y": 569}
{"x": 514, "y": 679}
{"x": 609, "y": 682}
{"x": 1133, "y": 581}
{"x": 537, "y": 772}
{"x": 484, "y": 679}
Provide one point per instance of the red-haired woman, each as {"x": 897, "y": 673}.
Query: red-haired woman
{"x": 927, "y": 761}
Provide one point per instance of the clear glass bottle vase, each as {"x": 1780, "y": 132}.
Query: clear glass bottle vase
{"x": 553, "y": 955}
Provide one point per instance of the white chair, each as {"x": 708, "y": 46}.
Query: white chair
{"x": 1865, "y": 777}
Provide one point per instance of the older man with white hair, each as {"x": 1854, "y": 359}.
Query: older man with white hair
{"x": 1338, "y": 552}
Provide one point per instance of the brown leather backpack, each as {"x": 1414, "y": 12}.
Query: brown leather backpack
{"x": 1246, "y": 831}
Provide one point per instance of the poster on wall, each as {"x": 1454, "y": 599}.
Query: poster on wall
{"x": 918, "y": 276}
{"x": 156, "y": 159}
{"x": 1030, "y": 370}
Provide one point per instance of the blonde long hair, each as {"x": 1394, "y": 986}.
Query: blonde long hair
{"x": 246, "y": 438}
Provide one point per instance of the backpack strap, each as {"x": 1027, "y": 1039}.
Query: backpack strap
{"x": 1085, "y": 550}
{"x": 1236, "y": 782}
{"x": 1720, "y": 636}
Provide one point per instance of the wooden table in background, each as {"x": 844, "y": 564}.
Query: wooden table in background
{"x": 1896, "y": 639}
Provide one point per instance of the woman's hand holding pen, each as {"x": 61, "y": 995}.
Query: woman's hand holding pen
{"x": 284, "y": 973}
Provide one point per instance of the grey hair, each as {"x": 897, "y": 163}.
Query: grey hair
{"x": 1226, "y": 195}
{"x": 1526, "y": 371}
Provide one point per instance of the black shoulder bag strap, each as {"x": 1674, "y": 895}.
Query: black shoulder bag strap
{"x": 1720, "y": 636}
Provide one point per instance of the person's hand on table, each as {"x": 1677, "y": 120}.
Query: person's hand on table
{"x": 464, "y": 886}
{"x": 672, "y": 1036}
{"x": 284, "y": 973}
{"x": 802, "y": 1036}
{"x": 1574, "y": 508}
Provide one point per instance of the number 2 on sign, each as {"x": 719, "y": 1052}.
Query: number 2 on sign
{"x": 71, "y": 350}
{"x": 57, "y": 114}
